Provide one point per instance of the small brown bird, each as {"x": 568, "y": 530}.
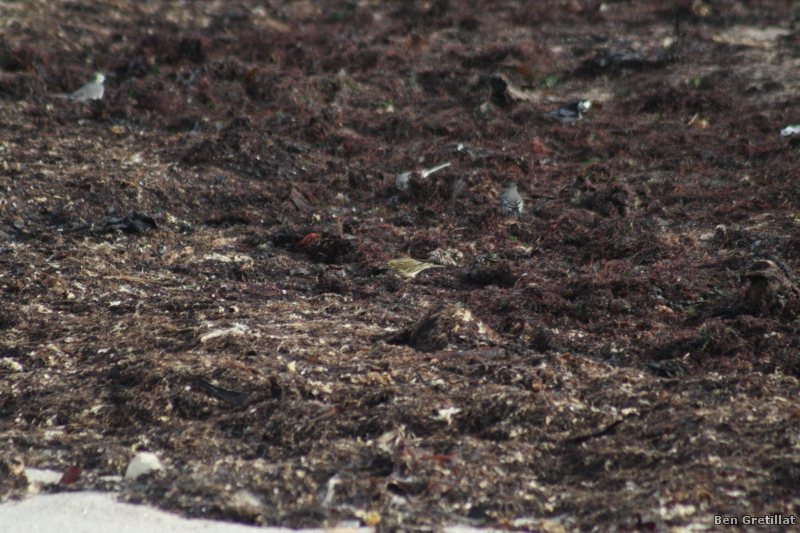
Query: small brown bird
{"x": 511, "y": 201}
{"x": 409, "y": 268}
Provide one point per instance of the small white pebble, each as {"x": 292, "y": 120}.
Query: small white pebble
{"x": 6, "y": 363}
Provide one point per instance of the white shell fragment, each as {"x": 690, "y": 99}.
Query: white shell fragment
{"x": 790, "y": 131}
{"x": 143, "y": 463}
{"x": 401, "y": 182}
